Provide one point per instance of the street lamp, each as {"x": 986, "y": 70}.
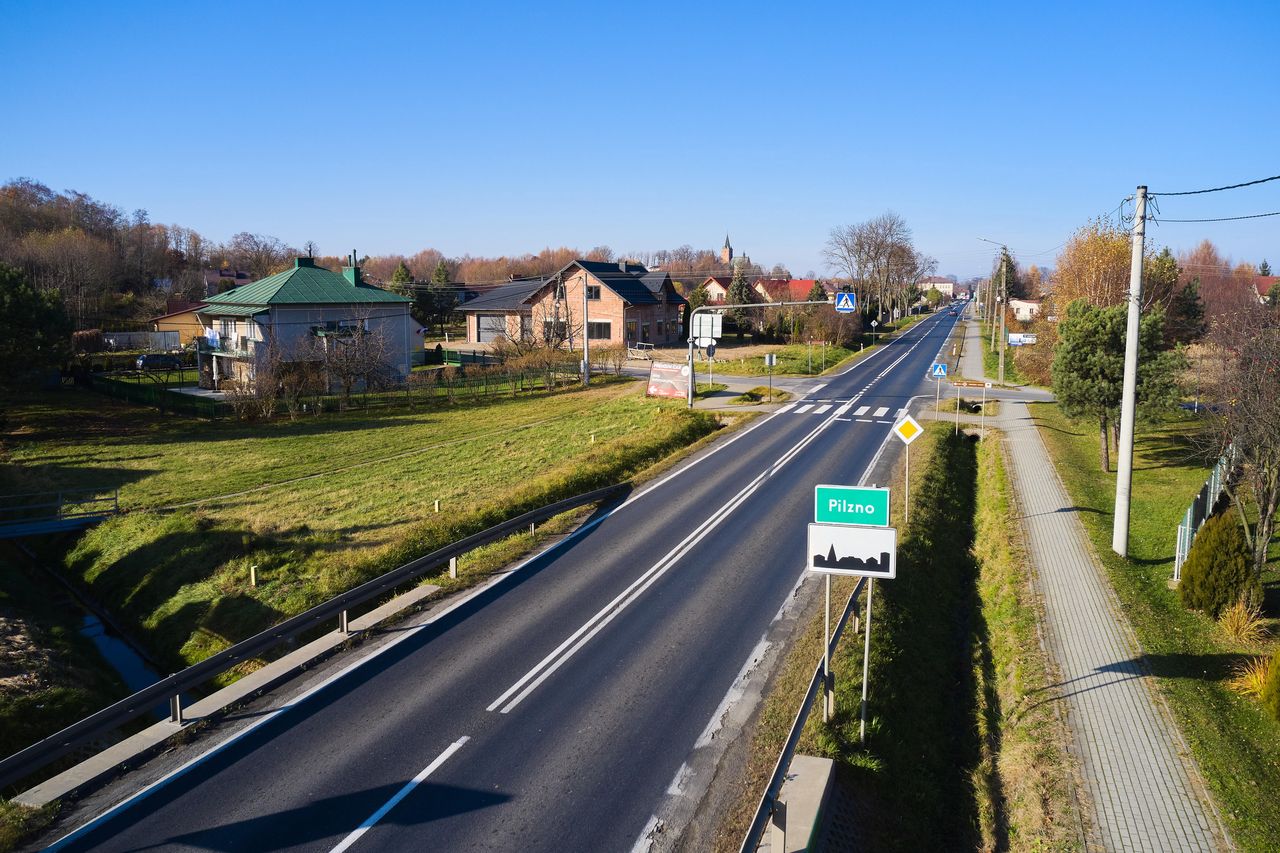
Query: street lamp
{"x": 1001, "y": 301}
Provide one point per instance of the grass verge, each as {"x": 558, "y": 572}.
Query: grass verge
{"x": 1234, "y": 741}
{"x": 761, "y": 394}
{"x": 958, "y": 754}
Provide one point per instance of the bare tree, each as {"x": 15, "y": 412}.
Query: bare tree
{"x": 1245, "y": 416}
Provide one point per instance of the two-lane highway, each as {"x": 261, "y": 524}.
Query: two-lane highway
{"x": 564, "y": 707}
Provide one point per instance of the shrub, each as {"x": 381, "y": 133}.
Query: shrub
{"x": 1219, "y": 569}
{"x": 1249, "y": 676}
{"x": 1271, "y": 688}
{"x": 1242, "y": 622}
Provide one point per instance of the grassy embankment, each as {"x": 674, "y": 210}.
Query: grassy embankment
{"x": 960, "y": 753}
{"x": 761, "y": 394}
{"x": 1236, "y": 744}
{"x": 50, "y": 676}
{"x": 364, "y": 503}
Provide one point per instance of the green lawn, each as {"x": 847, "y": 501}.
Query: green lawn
{"x": 1236, "y": 744}
{"x": 180, "y": 578}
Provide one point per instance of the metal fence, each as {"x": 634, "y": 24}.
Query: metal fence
{"x": 154, "y": 341}
{"x": 39, "y": 755}
{"x": 149, "y": 394}
{"x": 1200, "y": 509}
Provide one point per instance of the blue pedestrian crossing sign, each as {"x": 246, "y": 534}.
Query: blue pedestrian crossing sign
{"x": 939, "y": 369}
{"x": 846, "y": 303}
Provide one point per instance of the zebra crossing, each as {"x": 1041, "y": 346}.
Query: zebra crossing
{"x": 846, "y": 412}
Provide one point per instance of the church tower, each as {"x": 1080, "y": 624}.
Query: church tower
{"x": 726, "y": 254}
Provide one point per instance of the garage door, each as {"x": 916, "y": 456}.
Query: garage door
{"x": 491, "y": 327}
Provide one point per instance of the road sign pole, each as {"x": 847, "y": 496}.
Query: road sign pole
{"x": 866, "y": 661}
{"x": 937, "y": 393}
{"x": 826, "y": 658}
{"x": 906, "y": 488}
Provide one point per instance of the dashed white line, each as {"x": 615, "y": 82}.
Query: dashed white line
{"x": 865, "y": 420}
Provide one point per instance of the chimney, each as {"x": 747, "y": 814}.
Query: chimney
{"x": 352, "y": 272}
{"x": 622, "y": 264}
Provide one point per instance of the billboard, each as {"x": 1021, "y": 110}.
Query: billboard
{"x": 668, "y": 379}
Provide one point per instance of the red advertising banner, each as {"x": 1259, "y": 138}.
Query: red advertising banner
{"x": 668, "y": 379}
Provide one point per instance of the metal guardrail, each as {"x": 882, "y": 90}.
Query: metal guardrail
{"x": 38, "y": 755}
{"x": 769, "y": 800}
{"x": 86, "y": 503}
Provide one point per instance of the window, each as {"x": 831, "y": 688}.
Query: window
{"x": 599, "y": 331}
{"x": 593, "y": 291}
{"x": 644, "y": 333}
{"x": 658, "y": 329}
{"x": 631, "y": 330}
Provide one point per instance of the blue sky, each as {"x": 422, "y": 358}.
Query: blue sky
{"x": 503, "y": 128}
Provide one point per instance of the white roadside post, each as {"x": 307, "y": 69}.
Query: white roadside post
{"x": 982, "y": 429}
{"x": 850, "y": 536}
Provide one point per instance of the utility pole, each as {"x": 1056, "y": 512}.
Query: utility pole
{"x": 1004, "y": 301}
{"x": 1128, "y": 400}
{"x": 586, "y": 336}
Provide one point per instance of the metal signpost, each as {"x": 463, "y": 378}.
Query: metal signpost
{"x": 908, "y": 430}
{"x": 938, "y": 372}
{"x": 770, "y": 360}
{"x": 850, "y": 536}
{"x": 874, "y": 339}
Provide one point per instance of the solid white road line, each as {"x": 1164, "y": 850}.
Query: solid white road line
{"x": 880, "y": 412}
{"x": 390, "y": 804}
{"x": 860, "y": 411}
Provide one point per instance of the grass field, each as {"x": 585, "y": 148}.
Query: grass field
{"x": 1236, "y": 744}
{"x": 316, "y": 505}
{"x": 957, "y": 756}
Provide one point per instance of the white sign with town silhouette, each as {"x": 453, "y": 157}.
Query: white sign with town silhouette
{"x": 839, "y": 549}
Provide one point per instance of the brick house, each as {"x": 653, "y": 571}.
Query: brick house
{"x": 784, "y": 289}
{"x": 717, "y": 287}
{"x": 626, "y": 304}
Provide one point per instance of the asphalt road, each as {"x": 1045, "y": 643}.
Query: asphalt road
{"x": 556, "y": 710}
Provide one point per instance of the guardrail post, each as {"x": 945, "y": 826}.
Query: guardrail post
{"x": 175, "y": 709}
{"x": 342, "y": 623}
{"x": 778, "y": 827}
{"x": 453, "y": 567}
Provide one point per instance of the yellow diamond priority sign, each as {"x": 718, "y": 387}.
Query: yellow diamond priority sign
{"x": 907, "y": 429}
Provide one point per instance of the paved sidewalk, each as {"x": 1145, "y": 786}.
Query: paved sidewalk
{"x": 1143, "y": 787}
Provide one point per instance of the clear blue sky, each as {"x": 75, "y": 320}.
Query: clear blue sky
{"x": 490, "y": 128}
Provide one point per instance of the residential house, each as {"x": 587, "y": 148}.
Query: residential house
{"x": 295, "y": 311}
{"x": 181, "y": 318}
{"x": 943, "y": 285}
{"x": 626, "y": 303}
{"x": 1263, "y": 284}
{"x": 717, "y": 287}
{"x": 1024, "y": 310}
{"x": 784, "y": 289}
{"x": 222, "y": 280}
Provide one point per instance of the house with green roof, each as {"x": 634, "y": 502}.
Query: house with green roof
{"x": 301, "y": 314}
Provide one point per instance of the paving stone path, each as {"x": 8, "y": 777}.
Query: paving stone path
{"x": 1143, "y": 788}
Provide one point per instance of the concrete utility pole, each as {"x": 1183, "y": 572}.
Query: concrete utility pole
{"x": 1004, "y": 303}
{"x": 1129, "y": 398}
{"x": 586, "y": 336}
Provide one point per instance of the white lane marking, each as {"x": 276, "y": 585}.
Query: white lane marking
{"x": 843, "y": 410}
{"x": 390, "y": 804}
{"x": 816, "y": 388}
{"x": 845, "y": 420}
{"x": 645, "y": 842}
{"x": 902, "y": 412}
{"x": 860, "y": 411}
{"x": 821, "y": 409}
{"x": 880, "y": 412}
{"x": 462, "y": 601}
{"x": 864, "y": 420}
{"x": 786, "y": 408}
{"x": 806, "y": 407}
{"x": 579, "y": 638}
{"x": 890, "y": 423}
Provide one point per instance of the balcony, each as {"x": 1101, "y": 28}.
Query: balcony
{"x": 227, "y": 346}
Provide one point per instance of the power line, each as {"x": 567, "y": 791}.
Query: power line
{"x": 1218, "y": 219}
{"x": 1218, "y": 190}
